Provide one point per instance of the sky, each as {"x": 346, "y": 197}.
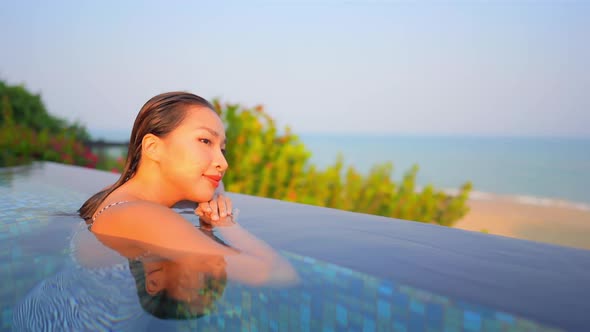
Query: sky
{"x": 484, "y": 68}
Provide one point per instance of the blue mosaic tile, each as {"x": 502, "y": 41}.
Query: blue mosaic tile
{"x": 471, "y": 321}
{"x": 505, "y": 317}
{"x": 368, "y": 324}
{"x": 399, "y": 327}
{"x": 341, "y": 315}
{"x": 452, "y": 329}
{"x": 386, "y": 288}
{"x": 305, "y": 314}
{"x": 6, "y": 317}
{"x": 417, "y": 306}
{"x": 384, "y": 310}
{"x": 434, "y": 313}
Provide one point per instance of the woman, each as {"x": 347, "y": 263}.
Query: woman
{"x": 176, "y": 153}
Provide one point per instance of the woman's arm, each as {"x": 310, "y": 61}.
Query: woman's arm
{"x": 157, "y": 227}
{"x": 258, "y": 263}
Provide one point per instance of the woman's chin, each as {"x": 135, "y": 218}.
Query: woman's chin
{"x": 203, "y": 197}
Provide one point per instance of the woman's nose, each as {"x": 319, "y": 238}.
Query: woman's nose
{"x": 221, "y": 162}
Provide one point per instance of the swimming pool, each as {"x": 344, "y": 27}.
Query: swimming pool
{"x": 358, "y": 272}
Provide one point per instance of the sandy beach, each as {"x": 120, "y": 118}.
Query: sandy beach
{"x": 562, "y": 225}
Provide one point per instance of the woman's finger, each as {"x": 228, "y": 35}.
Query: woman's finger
{"x": 199, "y": 212}
{"x": 222, "y": 206}
{"x": 229, "y": 206}
{"x": 205, "y": 207}
{"x": 214, "y": 212}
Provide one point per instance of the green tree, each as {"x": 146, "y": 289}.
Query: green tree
{"x": 29, "y": 111}
{"x": 28, "y": 132}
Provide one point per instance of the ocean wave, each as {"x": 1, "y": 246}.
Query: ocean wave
{"x": 477, "y": 195}
{"x": 523, "y": 199}
{"x": 550, "y": 202}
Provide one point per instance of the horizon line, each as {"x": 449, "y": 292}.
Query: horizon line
{"x": 394, "y": 134}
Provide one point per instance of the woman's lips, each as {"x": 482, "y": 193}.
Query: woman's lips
{"x": 214, "y": 179}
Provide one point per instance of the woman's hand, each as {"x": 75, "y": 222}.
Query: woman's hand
{"x": 216, "y": 212}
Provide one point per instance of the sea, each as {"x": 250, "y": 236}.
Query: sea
{"x": 533, "y": 170}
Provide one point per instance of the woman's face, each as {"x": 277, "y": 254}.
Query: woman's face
{"x": 193, "y": 161}
{"x": 185, "y": 281}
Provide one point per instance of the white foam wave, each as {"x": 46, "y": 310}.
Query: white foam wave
{"x": 477, "y": 195}
{"x": 541, "y": 201}
{"x": 523, "y": 199}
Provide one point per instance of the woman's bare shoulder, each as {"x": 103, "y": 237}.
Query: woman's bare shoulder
{"x": 133, "y": 216}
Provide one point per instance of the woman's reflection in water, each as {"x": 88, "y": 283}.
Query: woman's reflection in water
{"x": 169, "y": 289}
{"x": 174, "y": 284}
{"x": 186, "y": 288}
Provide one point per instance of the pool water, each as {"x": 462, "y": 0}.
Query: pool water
{"x": 42, "y": 287}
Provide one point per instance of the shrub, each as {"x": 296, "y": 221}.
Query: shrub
{"x": 22, "y": 144}
{"x": 30, "y": 112}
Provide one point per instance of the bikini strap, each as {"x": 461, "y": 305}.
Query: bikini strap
{"x": 103, "y": 210}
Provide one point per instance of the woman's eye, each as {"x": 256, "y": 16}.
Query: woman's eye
{"x": 223, "y": 151}
{"x": 205, "y": 140}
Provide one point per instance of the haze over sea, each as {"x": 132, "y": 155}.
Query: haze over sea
{"x": 535, "y": 170}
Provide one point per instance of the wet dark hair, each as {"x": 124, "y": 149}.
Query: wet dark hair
{"x": 164, "y": 306}
{"x": 159, "y": 116}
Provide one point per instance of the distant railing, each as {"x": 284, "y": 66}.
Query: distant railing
{"x": 103, "y": 143}
{"x": 113, "y": 150}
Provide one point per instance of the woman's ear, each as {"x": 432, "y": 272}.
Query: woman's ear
{"x": 151, "y": 146}
{"x": 155, "y": 281}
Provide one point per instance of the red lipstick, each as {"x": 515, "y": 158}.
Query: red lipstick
{"x": 214, "y": 179}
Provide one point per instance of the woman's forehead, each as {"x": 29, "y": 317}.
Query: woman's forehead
{"x": 198, "y": 118}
